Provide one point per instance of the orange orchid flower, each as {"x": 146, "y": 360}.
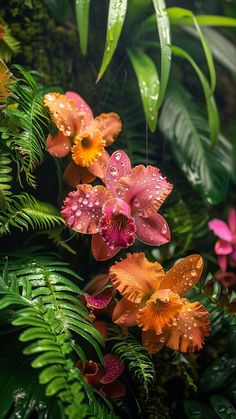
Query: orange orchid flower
{"x": 154, "y": 301}
{"x": 81, "y": 134}
{"x": 5, "y": 79}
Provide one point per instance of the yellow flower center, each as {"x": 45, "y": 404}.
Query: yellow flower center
{"x": 87, "y": 148}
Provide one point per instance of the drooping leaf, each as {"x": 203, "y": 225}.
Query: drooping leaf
{"x": 149, "y": 84}
{"x": 82, "y": 17}
{"x": 203, "y": 20}
{"x": 116, "y": 17}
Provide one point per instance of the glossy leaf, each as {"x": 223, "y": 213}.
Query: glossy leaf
{"x": 186, "y": 130}
{"x": 116, "y": 17}
{"x": 222, "y": 407}
{"x": 82, "y": 17}
{"x": 163, "y": 26}
{"x": 149, "y": 84}
{"x": 217, "y": 374}
{"x": 203, "y": 20}
{"x": 196, "y": 410}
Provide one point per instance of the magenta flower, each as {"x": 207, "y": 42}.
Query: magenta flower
{"x": 126, "y": 208}
{"x": 225, "y": 247}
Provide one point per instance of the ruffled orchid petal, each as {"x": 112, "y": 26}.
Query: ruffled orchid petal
{"x": 109, "y": 124}
{"x": 74, "y": 175}
{"x": 119, "y": 165}
{"x": 99, "y": 167}
{"x": 222, "y": 261}
{"x": 64, "y": 112}
{"x": 87, "y": 148}
{"x": 100, "y": 300}
{"x": 232, "y": 220}
{"x": 152, "y": 342}
{"x": 145, "y": 189}
{"x": 82, "y": 209}
{"x": 113, "y": 368}
{"x": 58, "y": 146}
{"x": 190, "y": 328}
{"x": 152, "y": 230}
{"x": 125, "y": 313}
{"x": 113, "y": 390}
{"x": 159, "y": 311}
{"x": 82, "y": 107}
{"x": 220, "y": 229}
{"x": 184, "y": 275}
{"x": 135, "y": 277}
{"x": 92, "y": 372}
{"x": 100, "y": 250}
{"x": 222, "y": 247}
{"x": 116, "y": 226}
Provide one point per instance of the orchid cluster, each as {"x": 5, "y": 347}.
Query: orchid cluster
{"x": 123, "y": 208}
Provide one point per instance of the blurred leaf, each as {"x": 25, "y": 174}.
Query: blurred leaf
{"x": 116, "y": 17}
{"x": 163, "y": 26}
{"x": 82, "y": 17}
{"x": 223, "y": 408}
{"x": 195, "y": 410}
{"x": 149, "y": 84}
{"x": 59, "y": 9}
{"x": 208, "y": 20}
{"x": 218, "y": 374}
{"x": 186, "y": 129}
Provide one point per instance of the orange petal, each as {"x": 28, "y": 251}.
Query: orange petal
{"x": 125, "y": 313}
{"x": 135, "y": 277}
{"x": 188, "y": 331}
{"x": 99, "y": 168}
{"x": 87, "y": 148}
{"x": 152, "y": 342}
{"x": 74, "y": 175}
{"x": 184, "y": 275}
{"x": 58, "y": 146}
{"x": 64, "y": 112}
{"x": 109, "y": 124}
{"x": 159, "y": 311}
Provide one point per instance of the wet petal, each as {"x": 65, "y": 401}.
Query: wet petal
{"x": 74, "y": 175}
{"x": 152, "y": 342}
{"x": 109, "y": 125}
{"x": 222, "y": 247}
{"x": 190, "y": 328}
{"x": 116, "y": 226}
{"x": 58, "y": 146}
{"x": 145, "y": 189}
{"x": 113, "y": 368}
{"x": 102, "y": 328}
{"x": 100, "y": 300}
{"x": 152, "y": 230}
{"x": 119, "y": 165}
{"x": 113, "y": 390}
{"x": 92, "y": 372}
{"x": 222, "y": 260}
{"x": 82, "y": 209}
{"x": 82, "y": 107}
{"x": 232, "y": 220}
{"x": 87, "y": 148}
{"x": 97, "y": 283}
{"x": 135, "y": 277}
{"x": 64, "y": 112}
{"x": 184, "y": 275}
{"x": 125, "y": 313}
{"x": 220, "y": 229}
{"x": 99, "y": 167}
{"x": 159, "y": 311}
{"x": 100, "y": 250}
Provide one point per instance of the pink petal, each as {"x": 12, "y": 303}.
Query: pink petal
{"x": 152, "y": 230}
{"x": 113, "y": 368}
{"x": 222, "y": 260}
{"x": 58, "y": 146}
{"x": 233, "y": 256}
{"x": 99, "y": 168}
{"x": 232, "y": 220}
{"x": 145, "y": 189}
{"x": 83, "y": 107}
{"x": 100, "y": 250}
{"x": 119, "y": 165}
{"x": 222, "y": 247}
{"x": 100, "y": 300}
{"x": 220, "y": 229}
{"x": 82, "y": 209}
{"x": 116, "y": 226}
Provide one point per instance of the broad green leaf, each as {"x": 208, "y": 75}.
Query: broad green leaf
{"x": 218, "y": 374}
{"x": 179, "y": 13}
{"x": 213, "y": 116}
{"x": 223, "y": 408}
{"x": 149, "y": 84}
{"x": 203, "y": 20}
{"x": 196, "y": 410}
{"x": 186, "y": 129}
{"x": 163, "y": 26}
{"x": 82, "y": 18}
{"x": 116, "y": 17}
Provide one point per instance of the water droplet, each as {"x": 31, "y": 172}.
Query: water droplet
{"x": 85, "y": 201}
{"x": 78, "y": 212}
{"x": 71, "y": 220}
{"x": 118, "y": 156}
{"x": 193, "y": 272}
{"x": 113, "y": 171}
{"x": 74, "y": 206}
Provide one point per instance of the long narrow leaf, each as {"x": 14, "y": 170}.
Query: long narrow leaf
{"x": 116, "y": 17}
{"x": 82, "y": 17}
{"x": 203, "y": 20}
{"x": 149, "y": 84}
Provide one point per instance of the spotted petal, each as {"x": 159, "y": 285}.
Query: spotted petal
{"x": 100, "y": 300}
{"x": 109, "y": 124}
{"x": 145, "y": 189}
{"x": 82, "y": 209}
{"x": 152, "y": 342}
{"x": 119, "y": 165}
{"x": 184, "y": 275}
{"x": 99, "y": 167}
{"x": 58, "y": 146}
{"x": 82, "y": 107}
{"x": 220, "y": 229}
{"x": 135, "y": 277}
{"x": 100, "y": 250}
{"x": 113, "y": 368}
{"x": 125, "y": 313}
{"x": 152, "y": 230}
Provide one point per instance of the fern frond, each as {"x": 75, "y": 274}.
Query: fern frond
{"x": 130, "y": 351}
{"x": 26, "y": 212}
{"x": 5, "y": 178}
{"x": 8, "y": 44}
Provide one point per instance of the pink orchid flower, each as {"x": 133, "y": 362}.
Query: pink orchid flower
{"x": 225, "y": 247}
{"x": 126, "y": 208}
{"x": 81, "y": 134}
